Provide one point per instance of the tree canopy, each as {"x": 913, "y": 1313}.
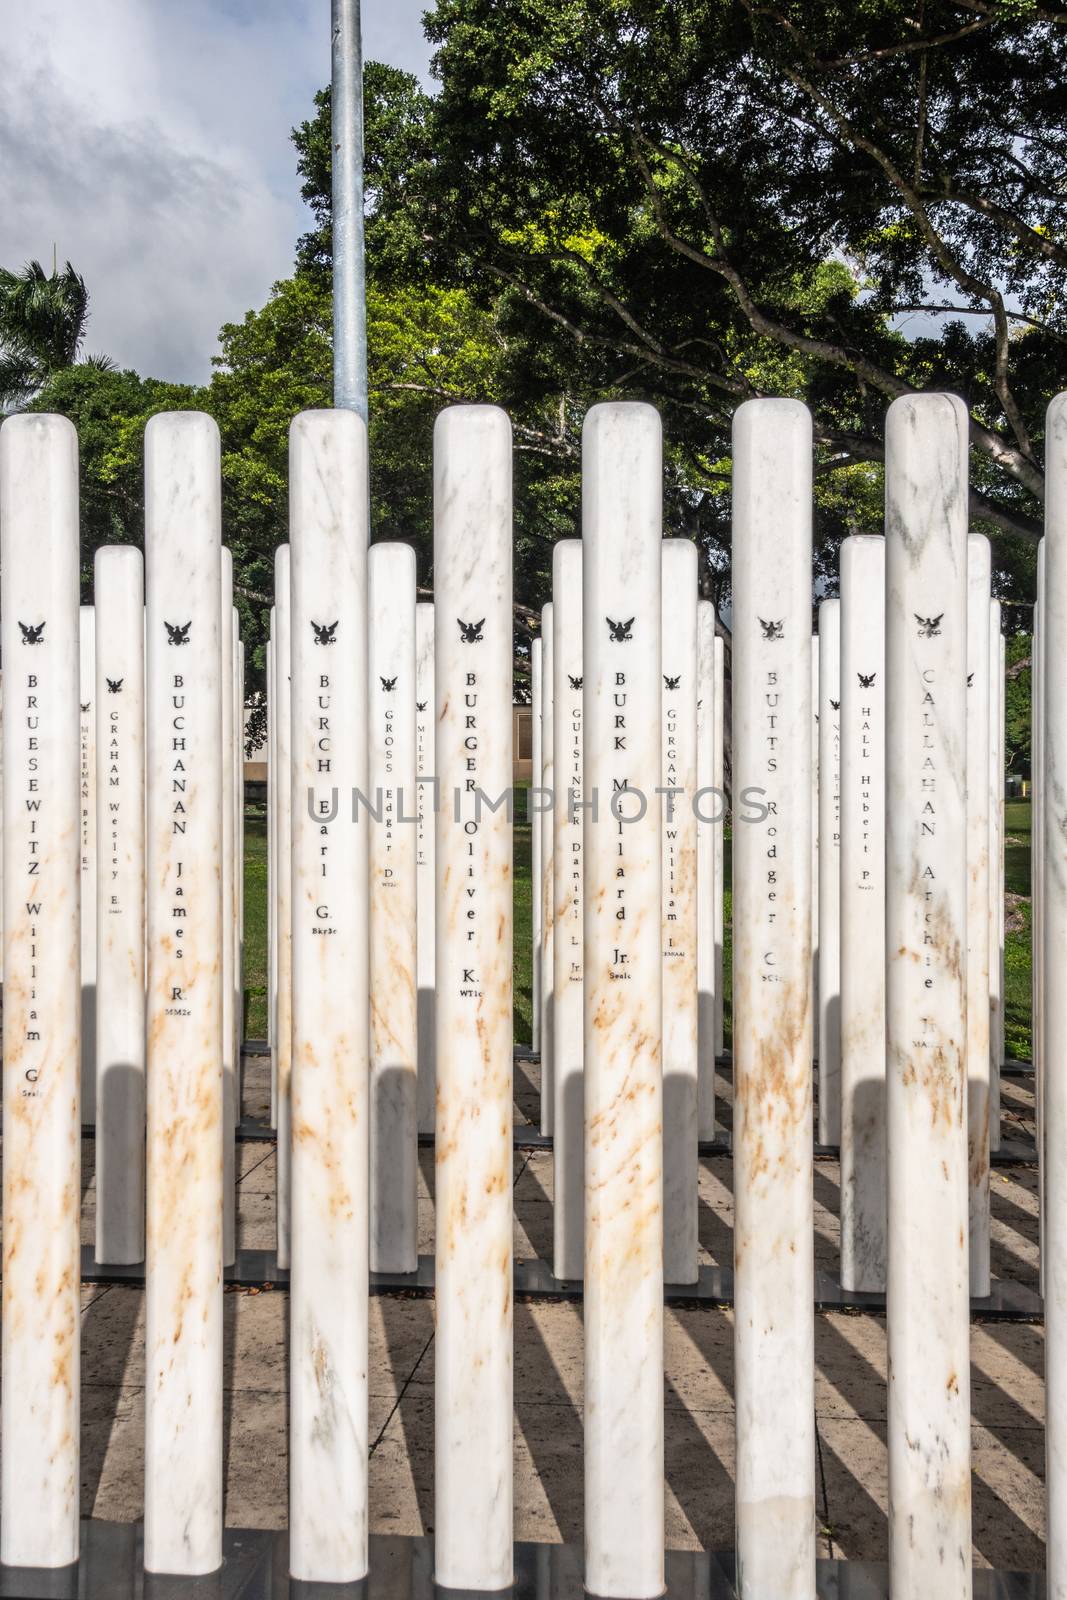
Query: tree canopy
{"x": 697, "y": 201}
{"x": 43, "y": 317}
{"x": 691, "y": 202}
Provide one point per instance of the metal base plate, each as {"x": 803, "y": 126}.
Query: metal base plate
{"x": 256, "y": 1567}
{"x": 1009, "y": 1302}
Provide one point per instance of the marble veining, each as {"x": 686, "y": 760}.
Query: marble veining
{"x": 773, "y": 1227}
{"x": 183, "y": 771}
{"x": 39, "y": 560}
{"x": 473, "y": 1488}
{"x": 623, "y": 968}
{"x": 329, "y": 1084}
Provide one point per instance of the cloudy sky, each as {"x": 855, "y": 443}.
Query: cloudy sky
{"x": 148, "y": 141}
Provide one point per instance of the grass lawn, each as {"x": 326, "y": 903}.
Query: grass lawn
{"x": 255, "y": 1020}
{"x": 1017, "y": 1042}
{"x": 1016, "y": 954}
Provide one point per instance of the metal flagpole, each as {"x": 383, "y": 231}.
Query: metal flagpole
{"x": 349, "y": 267}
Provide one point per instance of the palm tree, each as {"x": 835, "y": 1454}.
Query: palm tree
{"x": 42, "y": 324}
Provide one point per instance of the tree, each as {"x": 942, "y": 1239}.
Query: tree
{"x": 697, "y": 201}
{"x": 110, "y": 410}
{"x": 42, "y": 325}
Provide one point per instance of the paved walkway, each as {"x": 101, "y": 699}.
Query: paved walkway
{"x": 1007, "y": 1387}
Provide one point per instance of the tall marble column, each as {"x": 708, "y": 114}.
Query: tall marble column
{"x": 815, "y": 706}
{"x": 996, "y": 868}
{"x": 543, "y": 822}
{"x": 229, "y": 1058}
{"x": 120, "y": 905}
{"x": 473, "y": 671}
{"x": 394, "y": 1045}
{"x": 39, "y": 1462}
{"x": 709, "y": 820}
{"x": 679, "y": 841}
{"x": 829, "y": 887}
{"x": 536, "y": 649}
{"x": 926, "y": 1023}
{"x": 238, "y": 855}
{"x": 862, "y": 717}
{"x": 773, "y": 1230}
{"x": 272, "y": 865}
{"x": 328, "y": 1515}
{"x": 1055, "y": 909}
{"x": 718, "y": 779}
{"x": 87, "y": 781}
{"x": 183, "y": 1272}
{"x": 0, "y": 832}
{"x": 622, "y": 487}
{"x": 1037, "y": 886}
{"x": 977, "y": 924}
{"x": 424, "y": 868}
{"x": 283, "y": 857}
{"x": 568, "y": 1144}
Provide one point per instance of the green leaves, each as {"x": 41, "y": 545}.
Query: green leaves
{"x": 42, "y": 324}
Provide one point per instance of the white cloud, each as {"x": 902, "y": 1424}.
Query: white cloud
{"x": 149, "y": 141}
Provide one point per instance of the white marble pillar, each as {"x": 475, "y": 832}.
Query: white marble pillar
{"x": 681, "y": 1174}
{"x": 120, "y": 905}
{"x": 229, "y": 1059}
{"x": 328, "y": 1517}
{"x": 709, "y": 821}
{"x": 815, "y": 706}
{"x": 1055, "y": 909}
{"x": 283, "y": 856}
{"x": 87, "y": 699}
{"x": 391, "y": 821}
{"x": 424, "y": 867}
{"x": 926, "y": 900}
{"x": 773, "y": 1229}
{"x": 568, "y": 1145}
{"x": 543, "y": 822}
{"x": 862, "y": 721}
{"x": 473, "y": 1492}
{"x": 39, "y": 1462}
{"x": 829, "y": 888}
{"x": 978, "y": 1030}
{"x": 719, "y": 780}
{"x": 996, "y": 868}
{"x": 0, "y": 834}
{"x": 1037, "y": 886}
{"x": 622, "y": 487}
{"x": 183, "y": 1273}
{"x": 536, "y": 648}
{"x": 272, "y": 866}
{"x": 238, "y": 857}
